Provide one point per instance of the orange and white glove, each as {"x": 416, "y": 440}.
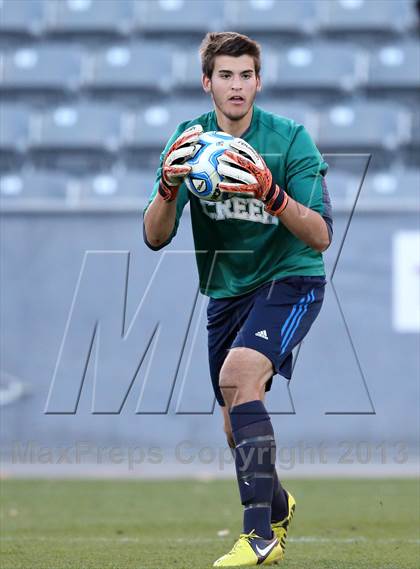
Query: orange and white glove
{"x": 174, "y": 168}
{"x": 245, "y": 172}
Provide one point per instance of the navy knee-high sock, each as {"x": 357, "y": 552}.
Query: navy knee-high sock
{"x": 279, "y": 503}
{"x": 255, "y": 452}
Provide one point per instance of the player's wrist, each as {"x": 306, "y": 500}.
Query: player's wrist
{"x": 167, "y": 192}
{"x": 275, "y": 200}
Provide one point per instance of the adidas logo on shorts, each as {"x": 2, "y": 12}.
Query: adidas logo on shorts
{"x": 262, "y": 334}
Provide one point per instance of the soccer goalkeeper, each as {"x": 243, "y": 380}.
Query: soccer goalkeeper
{"x": 264, "y": 271}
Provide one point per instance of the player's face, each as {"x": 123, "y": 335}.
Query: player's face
{"x": 233, "y": 85}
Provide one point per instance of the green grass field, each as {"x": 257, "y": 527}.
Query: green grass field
{"x": 98, "y": 524}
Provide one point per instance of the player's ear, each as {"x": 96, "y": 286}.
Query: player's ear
{"x": 206, "y": 83}
{"x": 259, "y": 84}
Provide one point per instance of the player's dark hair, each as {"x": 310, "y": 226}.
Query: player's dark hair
{"x": 228, "y": 43}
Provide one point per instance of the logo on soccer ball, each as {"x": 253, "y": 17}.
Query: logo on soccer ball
{"x": 200, "y": 186}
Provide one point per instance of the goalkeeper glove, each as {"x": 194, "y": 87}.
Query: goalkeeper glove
{"x": 245, "y": 172}
{"x": 174, "y": 168}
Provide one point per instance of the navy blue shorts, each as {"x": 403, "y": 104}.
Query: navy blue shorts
{"x": 273, "y": 319}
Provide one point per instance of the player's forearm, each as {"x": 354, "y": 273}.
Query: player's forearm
{"x": 306, "y": 225}
{"x": 159, "y": 220}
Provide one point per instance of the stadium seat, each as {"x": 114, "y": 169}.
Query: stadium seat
{"x": 364, "y": 125}
{"x": 395, "y": 66}
{"x": 271, "y": 15}
{"x": 46, "y": 67}
{"x": 188, "y": 70}
{"x": 132, "y": 67}
{"x": 299, "y": 112}
{"x": 397, "y": 187}
{"x": 151, "y": 127}
{"x": 415, "y": 131}
{"x": 83, "y": 127}
{"x": 23, "y": 16}
{"x": 365, "y": 15}
{"x": 119, "y": 185}
{"x": 91, "y": 16}
{"x": 331, "y": 66}
{"x": 29, "y": 185}
{"x": 179, "y": 16}
{"x": 14, "y": 127}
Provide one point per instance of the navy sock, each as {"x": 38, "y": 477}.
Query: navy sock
{"x": 279, "y": 504}
{"x": 255, "y": 453}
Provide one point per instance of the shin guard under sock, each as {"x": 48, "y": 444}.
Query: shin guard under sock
{"x": 255, "y": 453}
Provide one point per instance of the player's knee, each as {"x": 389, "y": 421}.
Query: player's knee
{"x": 229, "y": 384}
{"x": 232, "y": 370}
{"x": 241, "y": 377}
{"x": 229, "y": 375}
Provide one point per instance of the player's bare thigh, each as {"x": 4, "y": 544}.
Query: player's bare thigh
{"x": 243, "y": 376}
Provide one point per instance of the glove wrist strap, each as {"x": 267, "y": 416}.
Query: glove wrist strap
{"x": 276, "y": 200}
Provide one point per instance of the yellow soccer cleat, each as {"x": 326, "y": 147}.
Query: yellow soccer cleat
{"x": 280, "y": 529}
{"x": 249, "y": 550}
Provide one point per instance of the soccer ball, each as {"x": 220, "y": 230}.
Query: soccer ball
{"x": 203, "y": 180}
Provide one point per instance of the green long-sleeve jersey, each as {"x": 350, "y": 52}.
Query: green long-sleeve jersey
{"x": 238, "y": 245}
